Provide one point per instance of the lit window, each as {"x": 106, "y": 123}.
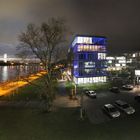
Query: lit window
{"x": 89, "y": 64}
{"x": 123, "y": 65}
{"x": 96, "y": 47}
{"x": 134, "y": 55}
{"x": 90, "y": 47}
{"x": 102, "y": 56}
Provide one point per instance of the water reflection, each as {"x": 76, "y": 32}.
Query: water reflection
{"x": 4, "y": 73}
{"x": 11, "y": 72}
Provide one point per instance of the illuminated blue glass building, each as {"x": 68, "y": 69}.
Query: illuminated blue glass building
{"x": 89, "y": 59}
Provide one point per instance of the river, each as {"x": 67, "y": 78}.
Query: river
{"x": 8, "y": 73}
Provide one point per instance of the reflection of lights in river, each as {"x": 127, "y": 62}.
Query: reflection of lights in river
{"x": 4, "y": 73}
{"x": 13, "y": 72}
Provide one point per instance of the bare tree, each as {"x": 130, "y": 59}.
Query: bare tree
{"x": 45, "y": 42}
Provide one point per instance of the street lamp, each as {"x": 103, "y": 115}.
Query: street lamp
{"x": 81, "y": 107}
{"x": 75, "y": 91}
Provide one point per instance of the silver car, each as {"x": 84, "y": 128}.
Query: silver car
{"x": 91, "y": 93}
{"x": 111, "y": 110}
{"x": 128, "y": 87}
{"x": 124, "y": 107}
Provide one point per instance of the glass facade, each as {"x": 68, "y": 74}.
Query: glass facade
{"x": 89, "y": 61}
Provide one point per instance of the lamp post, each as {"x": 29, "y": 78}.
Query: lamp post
{"x": 75, "y": 91}
{"x": 81, "y": 106}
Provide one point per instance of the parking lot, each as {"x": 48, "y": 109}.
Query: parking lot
{"x": 94, "y": 106}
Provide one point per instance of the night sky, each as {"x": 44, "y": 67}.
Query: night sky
{"x": 118, "y": 20}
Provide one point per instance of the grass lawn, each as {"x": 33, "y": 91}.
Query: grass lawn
{"x": 28, "y": 92}
{"x": 95, "y": 86}
{"x": 63, "y": 124}
{"x": 24, "y": 93}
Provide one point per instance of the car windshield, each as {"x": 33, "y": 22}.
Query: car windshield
{"x": 125, "y": 106}
{"x": 112, "y": 109}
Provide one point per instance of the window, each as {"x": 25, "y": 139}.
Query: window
{"x": 103, "y": 63}
{"x": 89, "y": 64}
{"x": 101, "y": 56}
{"x": 81, "y": 56}
{"x": 88, "y": 47}
{"x": 102, "y": 48}
{"x": 98, "y": 72}
{"x": 90, "y": 56}
{"x": 80, "y": 64}
{"x": 88, "y": 71}
{"x": 80, "y": 72}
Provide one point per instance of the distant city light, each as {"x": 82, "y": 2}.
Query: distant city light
{"x": 137, "y": 72}
{"x": 134, "y": 55}
{"x": 5, "y": 58}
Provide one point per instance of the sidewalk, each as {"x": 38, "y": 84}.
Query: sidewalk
{"x": 63, "y": 99}
{"x": 6, "y": 88}
{"x": 65, "y": 102}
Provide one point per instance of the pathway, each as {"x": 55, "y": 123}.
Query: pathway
{"x": 8, "y": 87}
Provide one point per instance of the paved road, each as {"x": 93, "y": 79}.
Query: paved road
{"x": 94, "y": 106}
{"x": 63, "y": 99}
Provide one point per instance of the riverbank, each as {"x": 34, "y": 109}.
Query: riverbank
{"x": 8, "y": 87}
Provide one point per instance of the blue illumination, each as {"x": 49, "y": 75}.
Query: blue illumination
{"x": 89, "y": 40}
{"x": 99, "y": 40}
{"x": 88, "y": 51}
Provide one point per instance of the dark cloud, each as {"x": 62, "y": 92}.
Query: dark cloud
{"x": 118, "y": 20}
{"x": 7, "y": 48}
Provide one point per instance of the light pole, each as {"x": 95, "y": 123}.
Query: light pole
{"x": 81, "y": 108}
{"x": 75, "y": 91}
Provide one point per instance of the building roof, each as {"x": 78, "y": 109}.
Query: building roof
{"x": 86, "y": 35}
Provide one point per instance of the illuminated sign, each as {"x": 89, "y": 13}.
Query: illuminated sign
{"x": 137, "y": 72}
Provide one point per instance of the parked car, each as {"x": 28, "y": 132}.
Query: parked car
{"x": 91, "y": 93}
{"x": 115, "y": 90}
{"x": 125, "y": 107}
{"x": 111, "y": 110}
{"x": 137, "y": 98}
{"x": 128, "y": 87}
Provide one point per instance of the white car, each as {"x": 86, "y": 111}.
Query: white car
{"x": 111, "y": 110}
{"x": 124, "y": 107}
{"x": 128, "y": 87}
{"x": 91, "y": 93}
